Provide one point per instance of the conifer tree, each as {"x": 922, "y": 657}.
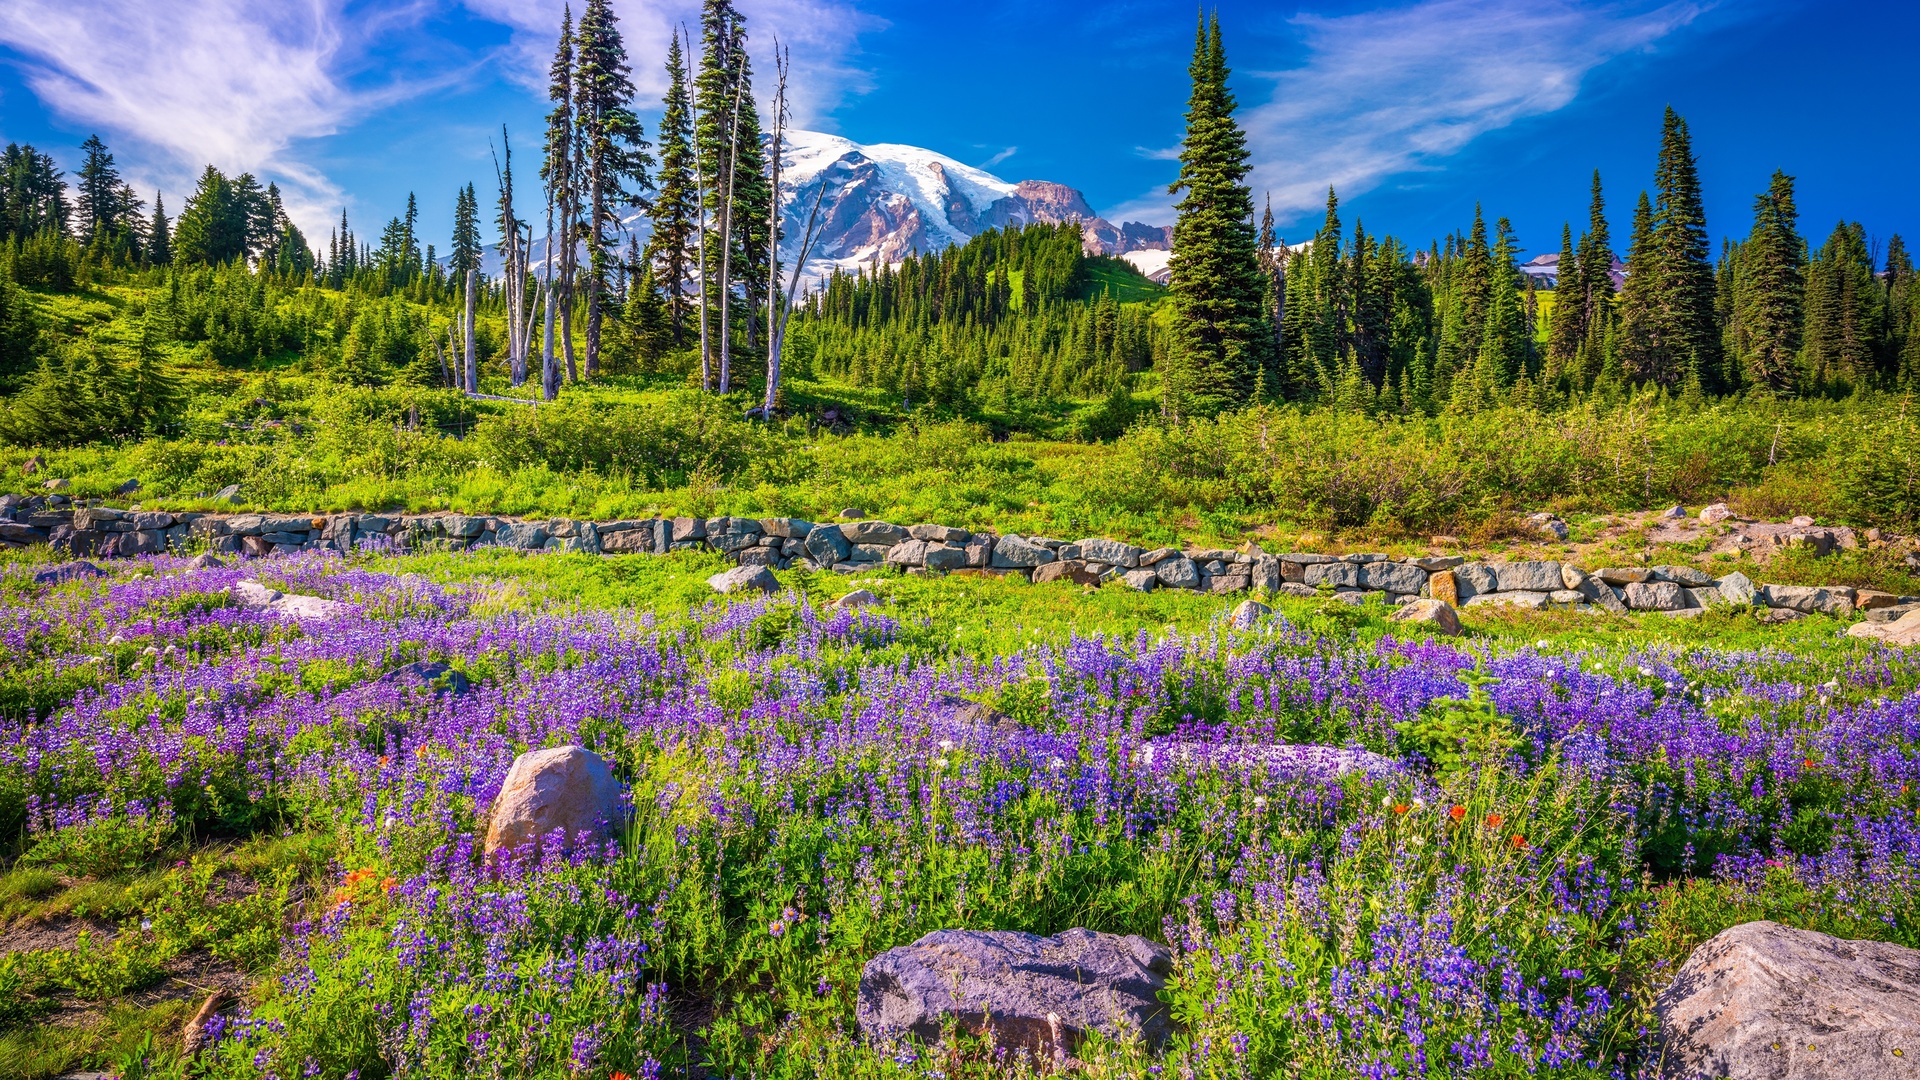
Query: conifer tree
{"x": 1568, "y": 327}
{"x": 1846, "y": 313}
{"x": 674, "y": 221}
{"x": 613, "y": 153}
{"x": 464, "y": 253}
{"x": 33, "y": 198}
{"x": 1220, "y": 326}
{"x": 103, "y": 202}
{"x": 159, "y": 236}
{"x": 1596, "y": 287}
{"x": 561, "y": 173}
{"x": 1769, "y": 291}
{"x": 213, "y": 227}
{"x": 1900, "y": 299}
{"x": 1686, "y": 338}
{"x": 1640, "y": 359}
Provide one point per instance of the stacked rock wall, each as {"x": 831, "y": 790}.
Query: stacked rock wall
{"x": 856, "y": 546}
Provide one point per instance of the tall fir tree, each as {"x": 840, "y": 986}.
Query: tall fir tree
{"x": 465, "y": 252}
{"x": 1846, "y": 312}
{"x": 103, "y": 202}
{"x": 670, "y": 247}
{"x": 1220, "y": 319}
{"x": 1686, "y": 342}
{"x": 1769, "y": 292}
{"x": 159, "y": 236}
{"x": 213, "y": 227}
{"x": 1637, "y": 348}
{"x": 560, "y": 170}
{"x": 33, "y": 198}
{"x": 1597, "y": 312}
{"x": 613, "y": 154}
{"x": 1567, "y": 327}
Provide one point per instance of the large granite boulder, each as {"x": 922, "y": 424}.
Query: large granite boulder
{"x": 1013, "y": 553}
{"x": 1656, "y": 596}
{"x": 1248, "y": 614}
{"x": 1436, "y": 615}
{"x": 1903, "y": 631}
{"x": 1541, "y": 576}
{"x": 1043, "y": 993}
{"x": 826, "y": 544}
{"x": 1808, "y": 599}
{"x": 744, "y": 579}
{"x": 1762, "y": 1000}
{"x": 561, "y": 787}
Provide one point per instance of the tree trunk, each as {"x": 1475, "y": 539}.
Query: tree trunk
{"x": 473, "y": 358}
{"x": 549, "y": 369}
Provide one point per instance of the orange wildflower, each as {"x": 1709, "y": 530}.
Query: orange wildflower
{"x": 1494, "y": 820}
{"x": 387, "y": 884}
{"x": 1518, "y": 841}
{"x": 1399, "y": 808}
{"x": 1457, "y": 812}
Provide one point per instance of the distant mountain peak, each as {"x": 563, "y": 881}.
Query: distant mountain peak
{"x": 885, "y": 201}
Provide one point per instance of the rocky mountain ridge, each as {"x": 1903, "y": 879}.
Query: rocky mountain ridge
{"x": 885, "y": 201}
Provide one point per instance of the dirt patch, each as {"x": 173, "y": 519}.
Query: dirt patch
{"x": 59, "y": 932}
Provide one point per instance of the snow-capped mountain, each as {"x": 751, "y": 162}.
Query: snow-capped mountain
{"x": 885, "y": 201}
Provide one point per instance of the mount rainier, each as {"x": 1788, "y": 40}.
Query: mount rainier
{"x": 885, "y": 201}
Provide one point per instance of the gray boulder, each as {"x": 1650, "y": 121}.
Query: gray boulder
{"x": 907, "y": 553}
{"x": 1044, "y": 994}
{"x": 1393, "y": 577}
{"x": 1623, "y": 575}
{"x": 1112, "y": 552}
{"x": 1763, "y": 1000}
{"x": 1014, "y": 553}
{"x": 1340, "y": 575}
{"x": 1437, "y": 563}
{"x": 827, "y": 544}
{"x": 1158, "y": 554}
{"x": 1691, "y": 577}
{"x": 1143, "y": 579}
{"x": 1528, "y": 577}
{"x": 1248, "y": 614}
{"x": 939, "y": 534}
{"x": 562, "y": 787}
{"x": 521, "y": 535}
{"x": 1265, "y": 573}
{"x": 786, "y": 528}
{"x": 743, "y": 579}
{"x": 1656, "y": 596}
{"x": 1808, "y": 599}
{"x": 1436, "y": 615}
{"x": 1177, "y": 573}
{"x": 858, "y": 598}
{"x": 945, "y": 557}
{"x": 1474, "y": 579}
{"x": 873, "y": 532}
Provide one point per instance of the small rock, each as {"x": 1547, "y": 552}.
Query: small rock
{"x": 1248, "y": 614}
{"x": 742, "y": 578}
{"x": 1763, "y": 1000}
{"x": 1802, "y": 522}
{"x": 858, "y": 598}
{"x": 562, "y": 787}
{"x": 127, "y": 488}
{"x": 56, "y": 484}
{"x": 852, "y": 513}
{"x": 1623, "y": 575}
{"x": 430, "y": 673}
{"x": 1177, "y": 573}
{"x": 1674, "y": 512}
{"x": 1655, "y": 596}
{"x": 1873, "y": 600}
{"x": 1044, "y": 994}
{"x": 228, "y": 494}
{"x": 70, "y": 572}
{"x": 1143, "y": 579}
{"x": 1437, "y": 614}
{"x": 1774, "y": 616}
{"x": 206, "y": 560}
{"x": 33, "y": 465}
{"x": 1715, "y": 514}
{"x": 1444, "y": 587}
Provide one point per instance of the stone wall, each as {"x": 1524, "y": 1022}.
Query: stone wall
{"x": 850, "y": 547}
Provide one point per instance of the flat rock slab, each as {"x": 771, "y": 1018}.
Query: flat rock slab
{"x": 1767, "y": 1002}
{"x": 561, "y": 787}
{"x": 1043, "y": 993}
{"x": 744, "y": 579}
{"x": 1903, "y": 631}
{"x": 258, "y": 597}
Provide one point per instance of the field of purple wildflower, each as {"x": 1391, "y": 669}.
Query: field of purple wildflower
{"x": 1566, "y": 817}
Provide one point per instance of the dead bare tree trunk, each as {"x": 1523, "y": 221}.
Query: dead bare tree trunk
{"x": 549, "y": 371}
{"x": 473, "y": 358}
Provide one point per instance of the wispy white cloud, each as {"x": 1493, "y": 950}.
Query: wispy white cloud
{"x": 822, "y": 35}
{"x": 1400, "y": 89}
{"x": 245, "y": 84}
{"x": 999, "y": 157}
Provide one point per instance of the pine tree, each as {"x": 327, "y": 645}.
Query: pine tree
{"x": 1686, "y": 338}
{"x": 465, "y": 252}
{"x": 33, "y": 198}
{"x": 1900, "y": 299}
{"x": 1639, "y": 357}
{"x": 1769, "y": 291}
{"x": 669, "y": 249}
{"x": 1596, "y": 288}
{"x": 213, "y": 228}
{"x": 1846, "y": 313}
{"x": 159, "y": 236}
{"x": 561, "y": 172}
{"x": 1219, "y": 315}
{"x": 613, "y": 153}
{"x": 99, "y": 201}
{"x": 1568, "y": 328}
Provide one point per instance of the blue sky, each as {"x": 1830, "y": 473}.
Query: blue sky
{"x": 1415, "y": 111}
